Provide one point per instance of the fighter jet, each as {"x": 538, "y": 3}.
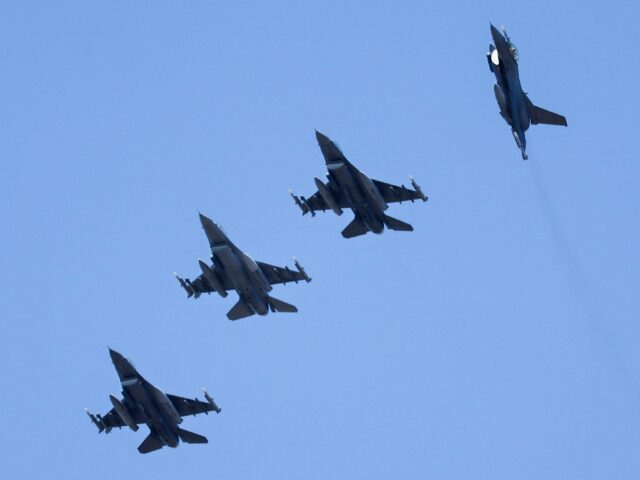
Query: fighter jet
{"x": 515, "y": 106}
{"x": 233, "y": 269}
{"x": 145, "y": 403}
{"x": 348, "y": 187}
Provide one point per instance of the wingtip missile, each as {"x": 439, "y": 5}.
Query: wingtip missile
{"x": 301, "y": 202}
{"x": 97, "y": 421}
{"x": 418, "y": 190}
{"x": 91, "y": 416}
{"x": 297, "y": 201}
{"x": 301, "y": 269}
{"x": 209, "y": 399}
{"x": 186, "y": 285}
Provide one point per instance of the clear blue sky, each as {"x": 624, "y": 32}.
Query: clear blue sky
{"x": 497, "y": 341}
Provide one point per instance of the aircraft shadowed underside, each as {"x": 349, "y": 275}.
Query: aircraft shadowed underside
{"x": 232, "y": 269}
{"x": 145, "y": 403}
{"x": 515, "y": 106}
{"x": 348, "y": 187}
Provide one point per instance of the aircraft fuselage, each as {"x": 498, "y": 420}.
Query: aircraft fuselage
{"x": 245, "y": 276}
{"x": 366, "y": 202}
{"x": 158, "y": 411}
{"x": 508, "y": 90}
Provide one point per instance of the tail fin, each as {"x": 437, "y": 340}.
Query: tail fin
{"x": 190, "y": 437}
{"x": 240, "y": 310}
{"x": 540, "y": 115}
{"x": 151, "y": 443}
{"x": 395, "y": 224}
{"x": 280, "y": 306}
{"x": 355, "y": 229}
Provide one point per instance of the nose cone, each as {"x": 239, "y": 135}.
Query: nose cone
{"x": 123, "y": 366}
{"x": 204, "y": 220}
{"x": 322, "y": 138}
{"x": 330, "y": 151}
{"x": 214, "y": 232}
{"x": 209, "y": 226}
{"x": 115, "y": 356}
{"x": 497, "y": 36}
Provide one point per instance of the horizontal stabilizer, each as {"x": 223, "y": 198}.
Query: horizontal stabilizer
{"x": 540, "y": 115}
{"x": 190, "y": 437}
{"x": 151, "y": 443}
{"x": 239, "y": 310}
{"x": 355, "y": 229}
{"x": 280, "y": 306}
{"x": 395, "y": 224}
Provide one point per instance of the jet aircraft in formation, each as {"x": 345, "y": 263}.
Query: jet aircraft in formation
{"x": 515, "y": 106}
{"x": 232, "y": 269}
{"x": 348, "y": 187}
{"x": 145, "y": 403}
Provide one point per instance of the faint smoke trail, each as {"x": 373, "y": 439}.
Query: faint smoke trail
{"x": 574, "y": 272}
{"x": 600, "y": 332}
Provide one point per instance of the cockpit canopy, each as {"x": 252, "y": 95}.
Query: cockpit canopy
{"x": 512, "y": 48}
{"x": 514, "y": 52}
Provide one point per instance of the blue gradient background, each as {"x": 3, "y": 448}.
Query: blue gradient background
{"x": 498, "y": 340}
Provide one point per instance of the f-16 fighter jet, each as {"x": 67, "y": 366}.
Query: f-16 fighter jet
{"x": 233, "y": 269}
{"x": 515, "y": 106}
{"x": 348, "y": 187}
{"x": 144, "y": 403}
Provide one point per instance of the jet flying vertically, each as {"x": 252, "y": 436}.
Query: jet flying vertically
{"x": 145, "y": 403}
{"x": 515, "y": 106}
{"x": 348, "y": 187}
{"x": 233, "y": 269}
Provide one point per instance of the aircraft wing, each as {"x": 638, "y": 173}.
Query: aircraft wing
{"x": 201, "y": 285}
{"x": 315, "y": 203}
{"x": 192, "y": 406}
{"x": 394, "y": 193}
{"x": 283, "y": 275}
{"x": 112, "y": 420}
